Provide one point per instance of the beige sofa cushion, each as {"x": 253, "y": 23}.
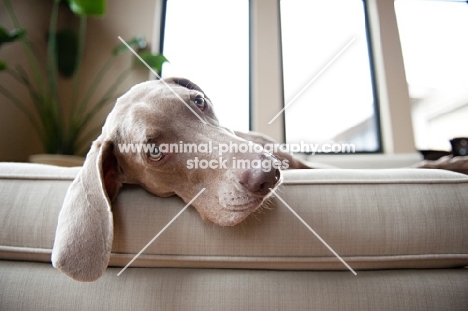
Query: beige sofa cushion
{"x": 33, "y": 286}
{"x": 402, "y": 218}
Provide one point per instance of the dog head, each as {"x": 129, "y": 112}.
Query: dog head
{"x": 164, "y": 136}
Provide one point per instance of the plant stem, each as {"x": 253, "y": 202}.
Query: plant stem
{"x": 107, "y": 96}
{"x": 21, "y": 76}
{"x": 32, "y": 59}
{"x": 79, "y": 60}
{"x": 52, "y": 62}
{"x": 81, "y": 109}
{"x": 87, "y": 138}
{"x": 101, "y": 103}
{"x": 18, "y": 104}
{"x": 96, "y": 81}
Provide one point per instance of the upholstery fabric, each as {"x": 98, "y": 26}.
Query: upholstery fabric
{"x": 232, "y": 289}
{"x": 374, "y": 219}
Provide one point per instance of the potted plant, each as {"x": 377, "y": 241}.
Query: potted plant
{"x": 61, "y": 132}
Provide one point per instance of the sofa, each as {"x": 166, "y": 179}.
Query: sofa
{"x": 403, "y": 231}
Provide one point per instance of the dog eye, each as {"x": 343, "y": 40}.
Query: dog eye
{"x": 199, "y": 101}
{"x": 156, "y": 154}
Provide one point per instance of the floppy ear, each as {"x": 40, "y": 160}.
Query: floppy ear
{"x": 83, "y": 239}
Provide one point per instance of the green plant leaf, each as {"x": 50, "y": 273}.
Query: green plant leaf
{"x": 67, "y": 51}
{"x": 11, "y": 36}
{"x": 88, "y": 7}
{"x": 7, "y": 37}
{"x": 137, "y": 43}
{"x": 155, "y": 61}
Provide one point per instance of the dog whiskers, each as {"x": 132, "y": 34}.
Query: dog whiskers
{"x": 255, "y": 217}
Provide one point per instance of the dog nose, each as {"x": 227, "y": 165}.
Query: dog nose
{"x": 258, "y": 181}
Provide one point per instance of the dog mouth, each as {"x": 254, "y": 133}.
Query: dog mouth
{"x": 238, "y": 209}
{"x": 245, "y": 207}
{"x": 236, "y": 204}
{"x": 238, "y": 201}
{"x": 234, "y": 214}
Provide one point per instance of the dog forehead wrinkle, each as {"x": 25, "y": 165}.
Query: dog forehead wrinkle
{"x": 142, "y": 121}
{"x": 138, "y": 92}
{"x": 182, "y": 93}
{"x": 168, "y": 92}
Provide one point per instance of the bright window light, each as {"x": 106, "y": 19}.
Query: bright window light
{"x": 325, "y": 51}
{"x": 434, "y": 41}
{"x": 207, "y": 41}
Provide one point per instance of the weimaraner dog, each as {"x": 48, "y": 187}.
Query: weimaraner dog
{"x": 159, "y": 113}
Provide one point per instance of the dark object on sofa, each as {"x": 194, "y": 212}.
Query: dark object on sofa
{"x": 459, "y": 146}
{"x": 434, "y": 155}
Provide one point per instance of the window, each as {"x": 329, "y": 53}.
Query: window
{"x": 207, "y": 41}
{"x": 434, "y": 41}
{"x": 326, "y": 61}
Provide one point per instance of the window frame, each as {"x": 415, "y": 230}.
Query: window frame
{"x": 391, "y": 97}
{"x": 374, "y": 88}
{"x": 375, "y": 91}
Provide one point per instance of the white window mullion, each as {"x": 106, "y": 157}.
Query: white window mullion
{"x": 157, "y": 26}
{"x": 266, "y": 76}
{"x": 395, "y": 109}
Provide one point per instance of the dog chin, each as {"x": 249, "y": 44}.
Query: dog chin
{"x": 235, "y": 214}
{"x": 232, "y": 218}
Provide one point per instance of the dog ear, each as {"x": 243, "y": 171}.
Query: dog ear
{"x": 84, "y": 235}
